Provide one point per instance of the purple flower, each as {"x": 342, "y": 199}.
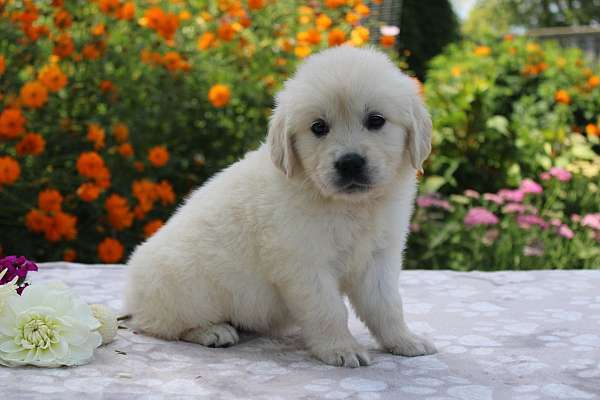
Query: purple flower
{"x": 480, "y": 216}
{"x": 432, "y": 201}
{"x": 530, "y": 186}
{"x": 526, "y": 221}
{"x": 560, "y": 173}
{"x": 565, "y": 232}
{"x": 494, "y": 198}
{"x": 515, "y": 196}
{"x": 16, "y": 266}
{"x": 592, "y": 220}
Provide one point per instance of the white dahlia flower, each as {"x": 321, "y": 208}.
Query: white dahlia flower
{"x": 47, "y": 327}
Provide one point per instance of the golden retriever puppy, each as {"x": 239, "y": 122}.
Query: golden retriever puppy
{"x": 320, "y": 211}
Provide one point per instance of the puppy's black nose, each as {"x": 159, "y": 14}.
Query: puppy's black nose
{"x": 350, "y": 165}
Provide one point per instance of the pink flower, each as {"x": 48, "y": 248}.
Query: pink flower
{"x": 431, "y": 201}
{"x": 530, "y": 186}
{"x": 471, "y": 193}
{"x": 511, "y": 208}
{"x": 555, "y": 222}
{"x": 526, "y": 221}
{"x": 575, "y": 217}
{"x": 512, "y": 195}
{"x": 560, "y": 173}
{"x": 480, "y": 216}
{"x": 592, "y": 220}
{"x": 565, "y": 232}
{"x": 545, "y": 176}
{"x": 494, "y": 198}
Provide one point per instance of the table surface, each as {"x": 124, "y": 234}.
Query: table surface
{"x": 504, "y": 335}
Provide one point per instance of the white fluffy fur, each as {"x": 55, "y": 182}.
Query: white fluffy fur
{"x": 270, "y": 242}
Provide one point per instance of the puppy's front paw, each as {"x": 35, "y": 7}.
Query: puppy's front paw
{"x": 220, "y": 335}
{"x": 411, "y": 345}
{"x": 349, "y": 357}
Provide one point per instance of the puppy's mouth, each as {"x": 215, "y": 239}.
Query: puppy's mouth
{"x": 355, "y": 186}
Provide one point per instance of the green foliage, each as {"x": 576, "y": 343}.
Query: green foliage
{"x": 507, "y": 110}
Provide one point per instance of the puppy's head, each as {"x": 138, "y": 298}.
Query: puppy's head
{"x": 349, "y": 121}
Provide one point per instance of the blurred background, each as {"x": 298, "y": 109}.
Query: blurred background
{"x": 111, "y": 111}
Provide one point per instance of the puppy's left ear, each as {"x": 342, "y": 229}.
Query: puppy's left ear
{"x": 279, "y": 140}
{"x": 419, "y": 133}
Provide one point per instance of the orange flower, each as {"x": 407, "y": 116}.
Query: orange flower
{"x": 36, "y": 221}
{"x": 456, "y": 71}
{"x": 69, "y": 255}
{"x": 119, "y": 214}
{"x": 98, "y": 29}
{"x": 362, "y": 9}
{"x": 106, "y": 86}
{"x": 61, "y": 226}
{"x": 482, "y": 51}
{"x": 561, "y": 96}
{"x": 592, "y": 130}
{"x": 127, "y": 11}
{"x": 226, "y": 31}
{"x": 34, "y": 94}
{"x": 256, "y": 4}
{"x": 219, "y": 95}
{"x": 62, "y": 19}
{"x": 334, "y": 3}
{"x": 90, "y": 164}
{"x": 302, "y": 51}
{"x": 313, "y": 36}
{"x": 31, "y": 144}
{"x": 165, "y": 192}
{"x": 352, "y": 18}
{"x": 12, "y": 123}
{"x": 93, "y": 51}
{"x": 2, "y": 64}
{"x": 153, "y": 17}
{"x": 9, "y": 170}
{"x": 158, "y": 156}
{"x": 172, "y": 61}
{"x": 145, "y": 192}
{"x": 323, "y": 22}
{"x": 359, "y": 35}
{"x": 96, "y": 135}
{"x": 151, "y": 227}
{"x": 110, "y": 250}
{"x": 52, "y": 77}
{"x": 121, "y": 132}
{"x": 88, "y": 192}
{"x": 63, "y": 46}
{"x": 336, "y": 37}
{"x": 168, "y": 26}
{"x": 50, "y": 200}
{"x": 109, "y": 6}
{"x": 206, "y": 41}
{"x": 593, "y": 81}
{"x": 125, "y": 149}
{"x": 387, "y": 41}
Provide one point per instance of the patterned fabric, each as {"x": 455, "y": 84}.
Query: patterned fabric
{"x": 505, "y": 335}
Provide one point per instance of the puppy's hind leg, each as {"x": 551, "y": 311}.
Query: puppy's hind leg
{"x": 219, "y": 335}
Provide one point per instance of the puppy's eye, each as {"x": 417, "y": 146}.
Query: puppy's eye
{"x": 319, "y": 128}
{"x": 374, "y": 122}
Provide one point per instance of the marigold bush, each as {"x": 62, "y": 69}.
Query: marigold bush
{"x": 112, "y": 110}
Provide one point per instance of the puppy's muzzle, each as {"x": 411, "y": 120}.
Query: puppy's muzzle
{"x": 352, "y": 173}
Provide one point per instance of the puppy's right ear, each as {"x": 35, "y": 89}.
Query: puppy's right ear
{"x": 279, "y": 140}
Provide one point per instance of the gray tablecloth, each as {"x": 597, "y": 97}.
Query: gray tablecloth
{"x": 506, "y": 335}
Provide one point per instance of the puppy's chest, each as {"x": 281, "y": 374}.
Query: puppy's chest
{"x": 354, "y": 238}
